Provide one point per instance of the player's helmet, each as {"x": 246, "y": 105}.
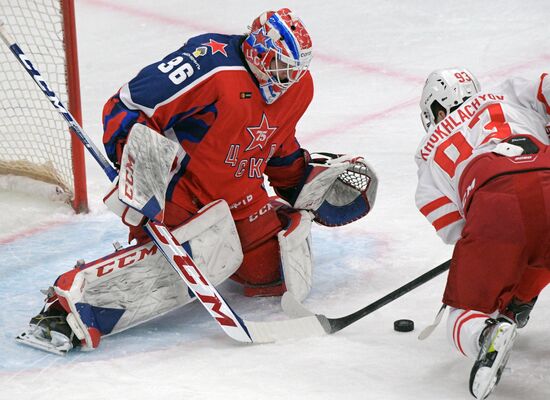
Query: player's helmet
{"x": 278, "y": 51}
{"x": 447, "y": 88}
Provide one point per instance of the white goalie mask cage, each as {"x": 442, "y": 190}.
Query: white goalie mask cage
{"x": 449, "y": 88}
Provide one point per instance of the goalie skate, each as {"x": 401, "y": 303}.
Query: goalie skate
{"x": 496, "y": 340}
{"x": 50, "y": 333}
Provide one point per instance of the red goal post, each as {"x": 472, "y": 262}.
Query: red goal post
{"x": 35, "y": 141}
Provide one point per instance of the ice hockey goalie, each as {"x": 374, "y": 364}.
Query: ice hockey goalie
{"x": 269, "y": 252}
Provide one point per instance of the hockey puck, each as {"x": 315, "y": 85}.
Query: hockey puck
{"x": 403, "y": 325}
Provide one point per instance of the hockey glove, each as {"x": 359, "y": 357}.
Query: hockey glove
{"x": 339, "y": 189}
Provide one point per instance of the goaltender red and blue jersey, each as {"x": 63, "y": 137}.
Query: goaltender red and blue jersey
{"x": 232, "y": 104}
{"x": 204, "y": 96}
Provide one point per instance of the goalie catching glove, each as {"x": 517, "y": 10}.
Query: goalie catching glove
{"x": 338, "y": 189}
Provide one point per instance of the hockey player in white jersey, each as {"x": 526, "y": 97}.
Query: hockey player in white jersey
{"x": 484, "y": 184}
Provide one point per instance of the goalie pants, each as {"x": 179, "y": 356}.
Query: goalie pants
{"x": 260, "y": 270}
{"x": 504, "y": 251}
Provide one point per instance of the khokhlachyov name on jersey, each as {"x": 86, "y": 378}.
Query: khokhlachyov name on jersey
{"x": 448, "y": 125}
{"x": 478, "y": 126}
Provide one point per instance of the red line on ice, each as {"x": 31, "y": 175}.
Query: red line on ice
{"x": 29, "y": 232}
{"x": 182, "y": 22}
{"x": 327, "y": 58}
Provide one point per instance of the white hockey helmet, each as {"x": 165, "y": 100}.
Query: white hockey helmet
{"x": 448, "y": 88}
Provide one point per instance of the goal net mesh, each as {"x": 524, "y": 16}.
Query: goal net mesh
{"x": 34, "y": 138}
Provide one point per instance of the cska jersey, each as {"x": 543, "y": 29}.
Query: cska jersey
{"x": 203, "y": 96}
{"x": 516, "y": 107}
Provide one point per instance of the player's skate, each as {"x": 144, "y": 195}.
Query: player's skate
{"x": 496, "y": 342}
{"x": 519, "y": 311}
{"x": 49, "y": 331}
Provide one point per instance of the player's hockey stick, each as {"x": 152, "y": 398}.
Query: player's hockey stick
{"x": 331, "y": 325}
{"x": 176, "y": 256}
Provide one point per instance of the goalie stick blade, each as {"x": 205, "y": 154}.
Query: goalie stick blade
{"x": 295, "y": 328}
{"x": 293, "y": 308}
{"x": 30, "y": 340}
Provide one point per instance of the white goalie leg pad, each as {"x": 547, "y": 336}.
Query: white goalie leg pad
{"x": 136, "y": 284}
{"x": 296, "y": 255}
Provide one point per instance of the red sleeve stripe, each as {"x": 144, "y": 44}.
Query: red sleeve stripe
{"x": 434, "y": 205}
{"x": 540, "y": 95}
{"x": 447, "y": 219}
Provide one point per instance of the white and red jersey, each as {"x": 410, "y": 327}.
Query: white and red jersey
{"x": 516, "y": 107}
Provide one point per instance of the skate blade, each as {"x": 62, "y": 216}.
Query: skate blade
{"x": 499, "y": 364}
{"x": 40, "y": 344}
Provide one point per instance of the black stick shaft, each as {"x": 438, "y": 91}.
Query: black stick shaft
{"x": 337, "y": 324}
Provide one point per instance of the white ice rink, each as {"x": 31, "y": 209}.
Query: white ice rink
{"x": 371, "y": 58}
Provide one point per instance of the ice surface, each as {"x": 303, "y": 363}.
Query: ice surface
{"x": 371, "y": 59}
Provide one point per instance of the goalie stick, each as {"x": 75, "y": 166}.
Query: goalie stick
{"x": 295, "y": 309}
{"x": 305, "y": 324}
{"x": 183, "y": 264}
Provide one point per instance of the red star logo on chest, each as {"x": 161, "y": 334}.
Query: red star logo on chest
{"x": 216, "y": 47}
{"x": 260, "y": 134}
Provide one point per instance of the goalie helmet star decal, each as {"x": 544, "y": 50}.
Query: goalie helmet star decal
{"x": 260, "y": 38}
{"x": 260, "y": 134}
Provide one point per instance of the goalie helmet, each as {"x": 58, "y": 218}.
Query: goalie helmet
{"x": 448, "y": 88}
{"x": 278, "y": 50}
